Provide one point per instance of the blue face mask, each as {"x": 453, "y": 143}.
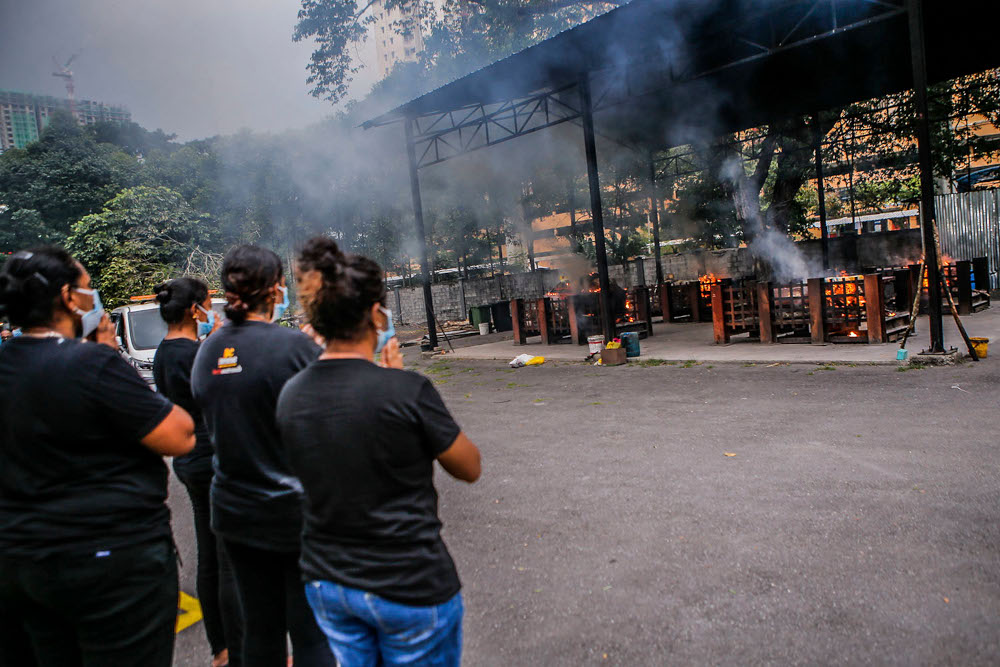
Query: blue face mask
{"x": 205, "y": 328}
{"x": 16, "y": 333}
{"x": 280, "y": 308}
{"x": 385, "y": 336}
{"x": 90, "y": 319}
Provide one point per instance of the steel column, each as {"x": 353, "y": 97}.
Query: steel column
{"x": 927, "y": 217}
{"x": 596, "y": 211}
{"x": 821, "y": 192}
{"x": 654, "y": 218}
{"x": 418, "y": 218}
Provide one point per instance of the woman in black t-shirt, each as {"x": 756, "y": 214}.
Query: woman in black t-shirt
{"x": 256, "y": 499}
{"x": 87, "y": 566}
{"x": 362, "y": 439}
{"x": 187, "y": 309}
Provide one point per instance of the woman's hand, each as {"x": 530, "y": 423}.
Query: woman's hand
{"x": 308, "y": 330}
{"x": 105, "y": 333}
{"x": 392, "y": 355}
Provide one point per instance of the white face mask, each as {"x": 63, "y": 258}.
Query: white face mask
{"x": 280, "y": 308}
{"x": 91, "y": 318}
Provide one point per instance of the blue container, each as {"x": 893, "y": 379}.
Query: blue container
{"x": 901, "y": 355}
{"x": 630, "y": 341}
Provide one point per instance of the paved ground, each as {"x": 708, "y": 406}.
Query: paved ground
{"x": 680, "y": 342}
{"x": 856, "y": 523}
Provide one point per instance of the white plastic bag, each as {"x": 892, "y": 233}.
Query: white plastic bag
{"x": 520, "y": 360}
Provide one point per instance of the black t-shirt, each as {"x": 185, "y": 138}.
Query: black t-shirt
{"x": 237, "y": 376}
{"x": 74, "y": 475}
{"x": 172, "y": 375}
{"x": 362, "y": 439}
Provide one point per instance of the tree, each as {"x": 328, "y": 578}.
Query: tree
{"x": 132, "y": 138}
{"x": 24, "y": 228}
{"x": 458, "y": 35}
{"x": 141, "y": 236}
{"x": 62, "y": 177}
{"x": 758, "y": 180}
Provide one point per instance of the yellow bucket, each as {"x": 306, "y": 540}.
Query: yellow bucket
{"x": 980, "y": 345}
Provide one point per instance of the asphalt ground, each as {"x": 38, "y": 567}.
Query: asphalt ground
{"x": 726, "y": 514}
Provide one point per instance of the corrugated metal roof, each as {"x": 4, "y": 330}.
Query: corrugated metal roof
{"x": 664, "y": 40}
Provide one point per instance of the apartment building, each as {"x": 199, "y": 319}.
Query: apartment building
{"x": 390, "y": 46}
{"x": 23, "y": 116}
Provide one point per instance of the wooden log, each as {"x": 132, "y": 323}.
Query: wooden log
{"x": 874, "y": 309}
{"x": 963, "y": 272}
{"x": 574, "y": 325}
{"x": 694, "y": 298}
{"x": 917, "y": 286}
{"x": 544, "y": 317}
{"x": 643, "y": 308}
{"x": 817, "y": 297}
{"x": 666, "y": 302}
{"x": 517, "y": 318}
{"x": 765, "y": 320}
{"x": 719, "y": 316}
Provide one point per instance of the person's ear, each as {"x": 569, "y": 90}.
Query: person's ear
{"x": 377, "y": 317}
{"x": 67, "y": 298}
{"x": 193, "y": 311}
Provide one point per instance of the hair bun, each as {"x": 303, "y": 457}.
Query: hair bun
{"x": 162, "y": 292}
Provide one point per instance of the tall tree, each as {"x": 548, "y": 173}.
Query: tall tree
{"x": 139, "y": 237}
{"x": 458, "y": 35}
{"x": 62, "y": 177}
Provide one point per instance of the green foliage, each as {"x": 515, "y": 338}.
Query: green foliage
{"x": 704, "y": 210}
{"x": 123, "y": 277}
{"x": 139, "y": 237}
{"x": 132, "y": 138}
{"x": 62, "y": 177}
{"x": 24, "y": 228}
{"x": 458, "y": 36}
{"x": 877, "y": 195}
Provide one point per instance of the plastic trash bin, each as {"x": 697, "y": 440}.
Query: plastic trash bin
{"x": 479, "y": 315}
{"x": 501, "y": 316}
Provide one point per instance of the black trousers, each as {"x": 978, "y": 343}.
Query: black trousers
{"x": 223, "y": 617}
{"x": 274, "y": 604}
{"x": 114, "y": 610}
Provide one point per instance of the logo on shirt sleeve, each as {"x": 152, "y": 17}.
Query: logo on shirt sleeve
{"x": 228, "y": 363}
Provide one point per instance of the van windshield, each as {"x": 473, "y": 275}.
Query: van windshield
{"x": 146, "y": 328}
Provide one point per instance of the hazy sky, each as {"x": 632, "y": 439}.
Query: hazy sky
{"x": 192, "y": 67}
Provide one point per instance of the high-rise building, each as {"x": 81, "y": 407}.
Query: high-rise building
{"x": 23, "y": 116}
{"x": 390, "y": 46}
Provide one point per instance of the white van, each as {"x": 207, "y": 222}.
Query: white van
{"x": 139, "y": 330}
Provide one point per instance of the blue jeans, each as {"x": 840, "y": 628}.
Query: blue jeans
{"x": 365, "y": 630}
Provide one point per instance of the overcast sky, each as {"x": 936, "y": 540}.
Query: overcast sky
{"x": 192, "y": 67}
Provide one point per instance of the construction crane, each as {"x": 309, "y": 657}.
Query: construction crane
{"x": 66, "y": 73}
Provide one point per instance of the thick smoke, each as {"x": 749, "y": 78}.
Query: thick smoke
{"x": 353, "y": 184}
{"x": 767, "y": 244}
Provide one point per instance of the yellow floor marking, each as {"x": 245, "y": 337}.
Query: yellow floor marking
{"x": 188, "y": 612}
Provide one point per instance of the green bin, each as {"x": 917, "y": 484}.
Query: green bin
{"x": 478, "y": 315}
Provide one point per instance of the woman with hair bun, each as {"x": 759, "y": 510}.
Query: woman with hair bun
{"x": 256, "y": 499}
{"x": 187, "y": 309}
{"x": 88, "y": 570}
{"x": 362, "y": 439}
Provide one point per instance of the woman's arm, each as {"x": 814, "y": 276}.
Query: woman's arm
{"x": 462, "y": 460}
{"x": 174, "y": 436}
